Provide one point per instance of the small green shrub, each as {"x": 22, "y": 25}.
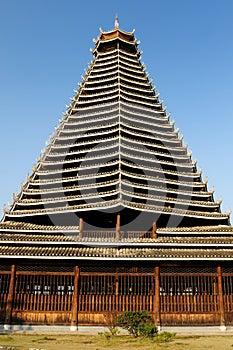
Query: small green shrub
{"x": 106, "y": 335}
{"x": 147, "y": 330}
{"x": 110, "y": 319}
{"x": 114, "y": 331}
{"x": 137, "y": 323}
{"x": 165, "y": 337}
{"x": 109, "y": 335}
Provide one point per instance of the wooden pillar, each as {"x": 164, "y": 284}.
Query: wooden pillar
{"x": 10, "y": 297}
{"x": 118, "y": 227}
{"x": 220, "y": 300}
{"x": 80, "y": 228}
{"x": 156, "y": 315}
{"x": 154, "y": 230}
{"x": 117, "y": 290}
{"x": 74, "y": 310}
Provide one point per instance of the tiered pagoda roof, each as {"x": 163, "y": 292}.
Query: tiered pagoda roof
{"x": 24, "y": 241}
{"x": 115, "y": 150}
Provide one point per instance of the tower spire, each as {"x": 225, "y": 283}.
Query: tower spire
{"x": 116, "y": 22}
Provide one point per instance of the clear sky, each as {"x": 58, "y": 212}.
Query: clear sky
{"x": 187, "y": 48}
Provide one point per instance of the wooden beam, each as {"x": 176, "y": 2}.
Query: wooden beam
{"x": 10, "y": 298}
{"x": 80, "y": 228}
{"x": 221, "y": 300}
{"x": 117, "y": 290}
{"x": 118, "y": 227}
{"x": 74, "y": 309}
{"x": 156, "y": 314}
{"x": 154, "y": 230}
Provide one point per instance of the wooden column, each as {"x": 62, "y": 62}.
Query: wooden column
{"x": 118, "y": 227}
{"x": 220, "y": 300}
{"x": 117, "y": 290}
{"x": 74, "y": 310}
{"x": 154, "y": 230}
{"x": 156, "y": 315}
{"x": 80, "y": 228}
{"x": 10, "y": 297}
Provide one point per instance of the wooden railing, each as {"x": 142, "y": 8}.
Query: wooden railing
{"x": 228, "y": 302}
{"x": 112, "y": 234}
{"x": 179, "y": 298}
{"x": 189, "y": 303}
{"x": 3, "y": 301}
{"x": 41, "y": 302}
{"x": 118, "y": 303}
{"x": 99, "y": 234}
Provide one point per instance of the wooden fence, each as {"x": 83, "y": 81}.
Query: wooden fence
{"x": 171, "y": 297}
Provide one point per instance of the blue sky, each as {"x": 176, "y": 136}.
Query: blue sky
{"x": 187, "y": 48}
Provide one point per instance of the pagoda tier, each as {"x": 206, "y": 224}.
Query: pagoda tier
{"x": 116, "y": 151}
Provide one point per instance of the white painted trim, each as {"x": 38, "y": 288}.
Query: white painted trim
{"x": 7, "y": 327}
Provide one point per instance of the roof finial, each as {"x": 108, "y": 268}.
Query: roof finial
{"x": 116, "y": 22}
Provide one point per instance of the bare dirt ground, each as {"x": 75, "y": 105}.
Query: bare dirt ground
{"x": 120, "y": 342}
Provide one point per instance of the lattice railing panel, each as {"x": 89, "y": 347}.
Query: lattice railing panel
{"x": 98, "y": 269}
{"x": 191, "y": 293}
{"x": 43, "y": 292}
{"x": 59, "y": 267}
{"x": 115, "y": 303}
{"x": 5, "y": 267}
{"x": 4, "y": 289}
{"x": 188, "y": 269}
{"x": 227, "y": 270}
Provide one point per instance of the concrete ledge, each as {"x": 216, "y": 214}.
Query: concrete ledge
{"x": 199, "y": 330}
{"x": 94, "y": 330}
{"x": 33, "y": 329}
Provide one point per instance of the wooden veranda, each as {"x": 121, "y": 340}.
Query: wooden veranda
{"x": 93, "y": 294}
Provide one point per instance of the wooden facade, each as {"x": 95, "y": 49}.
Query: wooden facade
{"x": 95, "y": 294}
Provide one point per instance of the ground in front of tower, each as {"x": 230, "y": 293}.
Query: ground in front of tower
{"x": 84, "y": 342}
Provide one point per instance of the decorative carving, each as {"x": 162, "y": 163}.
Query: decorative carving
{"x": 181, "y": 137}
{"x": 206, "y": 180}
{"x": 15, "y": 196}
{"x": 4, "y": 209}
{"x": 190, "y": 152}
